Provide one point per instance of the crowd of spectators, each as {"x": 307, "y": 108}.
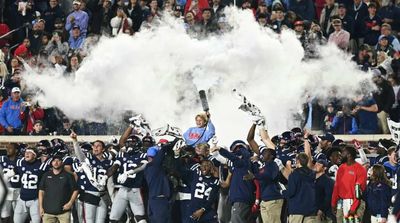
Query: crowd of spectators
{"x": 60, "y": 33}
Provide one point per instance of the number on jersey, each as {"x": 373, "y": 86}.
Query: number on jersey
{"x": 130, "y": 166}
{"x": 99, "y": 174}
{"x": 201, "y": 191}
{"x": 29, "y": 181}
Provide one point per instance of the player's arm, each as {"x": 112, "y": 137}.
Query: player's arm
{"x": 307, "y": 150}
{"x": 42, "y": 187}
{"x": 125, "y": 136}
{"x": 113, "y": 169}
{"x": 250, "y": 139}
{"x": 78, "y": 151}
{"x": 235, "y": 160}
{"x": 40, "y": 198}
{"x": 265, "y": 138}
{"x": 227, "y": 182}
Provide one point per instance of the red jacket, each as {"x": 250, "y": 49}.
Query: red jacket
{"x": 202, "y": 4}
{"x": 22, "y": 51}
{"x": 38, "y": 114}
{"x": 346, "y": 179}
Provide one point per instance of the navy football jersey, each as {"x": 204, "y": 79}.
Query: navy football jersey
{"x": 30, "y": 174}
{"x": 82, "y": 179}
{"x": 99, "y": 168}
{"x": 127, "y": 162}
{"x": 204, "y": 191}
{"x": 9, "y": 165}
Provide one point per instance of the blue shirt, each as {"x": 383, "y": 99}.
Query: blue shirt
{"x": 9, "y": 114}
{"x": 81, "y": 19}
{"x": 156, "y": 177}
{"x": 76, "y": 43}
{"x": 196, "y": 135}
{"x": 367, "y": 121}
{"x": 268, "y": 178}
{"x": 240, "y": 190}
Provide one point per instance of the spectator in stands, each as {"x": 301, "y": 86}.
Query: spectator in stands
{"x": 384, "y": 46}
{"x": 344, "y": 122}
{"x": 347, "y": 20}
{"x": 395, "y": 110}
{"x": 372, "y": 25}
{"x": 77, "y": 18}
{"x": 101, "y": 18}
{"x": 73, "y": 64}
{"x": 331, "y": 9}
{"x": 301, "y": 192}
{"x": 14, "y": 65}
{"x": 14, "y": 81}
{"x": 303, "y": 8}
{"x": 364, "y": 58}
{"x": 340, "y": 37}
{"x": 314, "y": 114}
{"x": 386, "y": 30}
{"x": 196, "y": 7}
{"x": 35, "y": 36}
{"x": 218, "y": 8}
{"x": 9, "y": 113}
{"x": 389, "y": 12}
{"x": 330, "y": 114}
{"x": 349, "y": 175}
{"x": 207, "y": 24}
{"x": 278, "y": 19}
{"x": 38, "y": 129}
{"x": 358, "y": 11}
{"x": 77, "y": 39}
{"x": 59, "y": 28}
{"x": 50, "y": 15}
{"x": 262, "y": 20}
{"x": 23, "y": 50}
{"x": 365, "y": 113}
{"x": 56, "y": 46}
{"x": 135, "y": 12}
{"x": 262, "y": 9}
{"x": 384, "y": 97}
{"x": 121, "y": 23}
{"x": 66, "y": 129}
{"x": 30, "y": 113}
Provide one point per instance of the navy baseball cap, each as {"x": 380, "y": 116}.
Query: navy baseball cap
{"x": 321, "y": 158}
{"x": 327, "y": 136}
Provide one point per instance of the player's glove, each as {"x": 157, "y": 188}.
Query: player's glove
{"x": 279, "y": 163}
{"x": 122, "y": 178}
{"x": 9, "y": 174}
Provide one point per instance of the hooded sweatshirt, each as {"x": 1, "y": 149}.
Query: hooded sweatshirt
{"x": 301, "y": 192}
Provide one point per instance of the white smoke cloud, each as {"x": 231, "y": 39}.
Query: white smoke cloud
{"x": 159, "y": 72}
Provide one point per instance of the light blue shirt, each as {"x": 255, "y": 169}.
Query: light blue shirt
{"x": 81, "y": 19}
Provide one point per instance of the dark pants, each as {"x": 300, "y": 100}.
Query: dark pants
{"x": 240, "y": 213}
{"x": 159, "y": 210}
{"x": 185, "y": 211}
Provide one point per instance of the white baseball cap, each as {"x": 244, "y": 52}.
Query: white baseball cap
{"x": 15, "y": 89}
